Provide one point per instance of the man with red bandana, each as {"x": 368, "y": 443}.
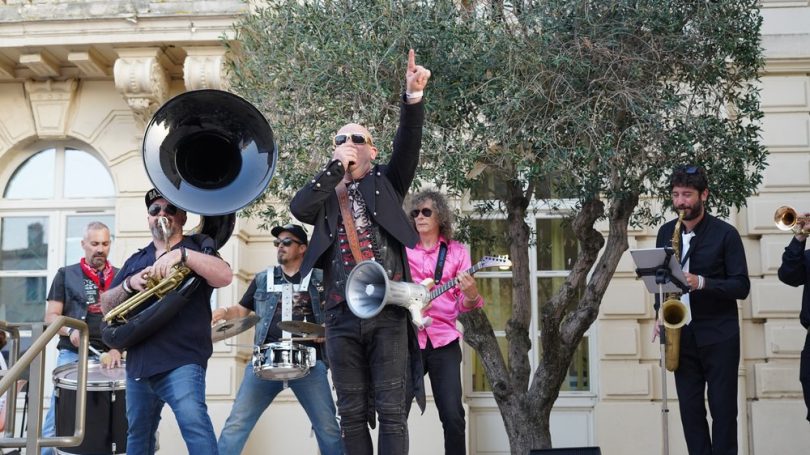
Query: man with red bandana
{"x": 76, "y": 292}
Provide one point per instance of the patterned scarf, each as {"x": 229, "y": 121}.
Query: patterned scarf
{"x": 95, "y": 275}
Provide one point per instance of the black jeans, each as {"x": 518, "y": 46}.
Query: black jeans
{"x": 443, "y": 366}
{"x": 370, "y": 356}
{"x": 804, "y": 373}
{"x": 711, "y": 369}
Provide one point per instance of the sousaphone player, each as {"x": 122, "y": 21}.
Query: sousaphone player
{"x": 209, "y": 152}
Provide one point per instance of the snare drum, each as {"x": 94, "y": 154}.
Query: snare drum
{"x": 106, "y": 418}
{"x": 282, "y": 361}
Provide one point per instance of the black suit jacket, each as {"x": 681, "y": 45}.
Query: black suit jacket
{"x": 383, "y": 191}
{"x": 795, "y": 271}
{"x": 717, "y": 254}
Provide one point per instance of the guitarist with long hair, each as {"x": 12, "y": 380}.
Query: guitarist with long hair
{"x": 440, "y": 258}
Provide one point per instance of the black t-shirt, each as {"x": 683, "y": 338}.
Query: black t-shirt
{"x": 57, "y": 293}
{"x": 301, "y": 311}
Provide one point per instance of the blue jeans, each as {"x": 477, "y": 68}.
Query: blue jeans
{"x": 369, "y": 357}
{"x": 49, "y": 426}
{"x": 184, "y": 390}
{"x": 255, "y": 395}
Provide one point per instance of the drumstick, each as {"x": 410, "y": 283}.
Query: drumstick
{"x": 240, "y": 345}
{"x": 301, "y": 339}
{"x": 103, "y": 357}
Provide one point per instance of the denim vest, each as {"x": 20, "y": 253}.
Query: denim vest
{"x": 265, "y": 302}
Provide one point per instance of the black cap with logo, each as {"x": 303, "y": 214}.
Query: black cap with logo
{"x": 293, "y": 229}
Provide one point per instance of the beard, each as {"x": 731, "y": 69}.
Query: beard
{"x": 692, "y": 211}
{"x": 157, "y": 232}
{"x": 98, "y": 261}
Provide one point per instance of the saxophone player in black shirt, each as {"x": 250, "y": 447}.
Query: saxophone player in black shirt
{"x": 714, "y": 264}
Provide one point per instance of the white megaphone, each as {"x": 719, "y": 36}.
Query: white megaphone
{"x": 368, "y": 290}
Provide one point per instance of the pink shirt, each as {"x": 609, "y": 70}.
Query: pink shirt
{"x": 446, "y": 307}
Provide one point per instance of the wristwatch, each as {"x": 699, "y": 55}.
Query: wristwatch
{"x": 69, "y": 331}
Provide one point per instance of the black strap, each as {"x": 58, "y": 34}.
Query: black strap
{"x": 692, "y": 245}
{"x": 437, "y": 276}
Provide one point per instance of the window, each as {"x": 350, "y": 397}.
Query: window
{"x": 24, "y": 261}
{"x": 47, "y": 202}
{"x": 551, "y": 256}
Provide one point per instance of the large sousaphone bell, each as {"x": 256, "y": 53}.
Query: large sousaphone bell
{"x": 368, "y": 290}
{"x": 208, "y": 152}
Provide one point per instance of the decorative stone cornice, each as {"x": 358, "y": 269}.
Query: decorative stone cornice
{"x": 787, "y": 65}
{"x": 204, "y": 68}
{"x": 6, "y": 69}
{"x": 41, "y": 64}
{"x": 50, "y": 106}
{"x": 90, "y": 62}
{"x": 142, "y": 78}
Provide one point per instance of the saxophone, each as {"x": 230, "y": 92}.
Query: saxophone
{"x": 673, "y": 311}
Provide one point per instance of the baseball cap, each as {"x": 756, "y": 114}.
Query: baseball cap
{"x": 151, "y": 196}
{"x": 293, "y": 229}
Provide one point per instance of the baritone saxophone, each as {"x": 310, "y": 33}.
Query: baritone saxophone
{"x": 673, "y": 311}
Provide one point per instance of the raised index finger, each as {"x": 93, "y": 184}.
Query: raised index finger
{"x": 411, "y": 61}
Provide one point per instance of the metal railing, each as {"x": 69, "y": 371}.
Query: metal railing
{"x": 34, "y": 358}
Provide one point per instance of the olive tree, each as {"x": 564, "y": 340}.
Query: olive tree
{"x": 595, "y": 101}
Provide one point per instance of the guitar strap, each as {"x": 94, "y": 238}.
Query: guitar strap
{"x": 348, "y": 222}
{"x": 437, "y": 276}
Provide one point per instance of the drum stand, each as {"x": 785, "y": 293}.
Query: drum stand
{"x": 667, "y": 274}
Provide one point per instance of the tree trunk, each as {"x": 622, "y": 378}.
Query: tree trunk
{"x": 526, "y": 427}
{"x": 526, "y": 410}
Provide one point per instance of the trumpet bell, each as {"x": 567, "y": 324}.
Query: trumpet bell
{"x": 209, "y": 152}
{"x": 785, "y": 218}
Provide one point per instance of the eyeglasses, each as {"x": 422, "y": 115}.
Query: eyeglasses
{"x": 286, "y": 242}
{"x": 426, "y": 212}
{"x": 357, "y": 138}
{"x": 168, "y": 209}
{"x": 690, "y": 169}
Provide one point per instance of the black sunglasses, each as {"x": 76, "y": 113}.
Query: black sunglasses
{"x": 357, "y": 138}
{"x": 426, "y": 212}
{"x": 286, "y": 242}
{"x": 168, "y": 209}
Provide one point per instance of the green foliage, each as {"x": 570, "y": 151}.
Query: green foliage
{"x": 589, "y": 97}
{"x": 585, "y": 103}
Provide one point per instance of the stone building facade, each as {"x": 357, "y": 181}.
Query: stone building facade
{"x": 85, "y": 76}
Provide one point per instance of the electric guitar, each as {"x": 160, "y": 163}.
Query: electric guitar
{"x": 486, "y": 262}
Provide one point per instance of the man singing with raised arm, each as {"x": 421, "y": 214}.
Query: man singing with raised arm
{"x": 368, "y": 357}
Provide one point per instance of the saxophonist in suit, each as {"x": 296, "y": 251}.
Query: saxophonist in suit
{"x": 714, "y": 264}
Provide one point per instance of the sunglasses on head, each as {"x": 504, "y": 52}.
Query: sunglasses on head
{"x": 168, "y": 209}
{"x": 286, "y": 242}
{"x": 426, "y": 212}
{"x": 689, "y": 169}
{"x": 357, "y": 138}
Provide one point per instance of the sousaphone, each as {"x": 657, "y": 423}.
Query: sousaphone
{"x": 208, "y": 152}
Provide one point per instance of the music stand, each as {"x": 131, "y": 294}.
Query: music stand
{"x": 661, "y": 272}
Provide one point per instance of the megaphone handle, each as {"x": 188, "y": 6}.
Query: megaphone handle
{"x": 416, "y": 316}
